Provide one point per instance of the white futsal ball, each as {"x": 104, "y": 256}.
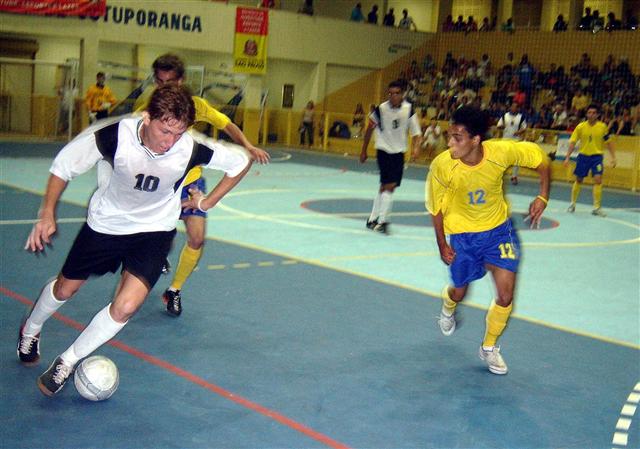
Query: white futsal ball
{"x": 96, "y": 378}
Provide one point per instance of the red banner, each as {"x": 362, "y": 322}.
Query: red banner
{"x": 91, "y": 8}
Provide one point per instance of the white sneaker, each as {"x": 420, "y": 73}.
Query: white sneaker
{"x": 571, "y": 209}
{"x": 598, "y": 212}
{"x": 447, "y": 324}
{"x": 494, "y": 360}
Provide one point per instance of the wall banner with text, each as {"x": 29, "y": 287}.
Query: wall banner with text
{"x": 250, "y": 46}
{"x": 90, "y": 8}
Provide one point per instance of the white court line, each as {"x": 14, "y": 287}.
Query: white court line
{"x": 620, "y": 435}
{"x": 35, "y": 220}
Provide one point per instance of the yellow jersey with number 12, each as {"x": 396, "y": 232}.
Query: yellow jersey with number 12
{"x": 471, "y": 198}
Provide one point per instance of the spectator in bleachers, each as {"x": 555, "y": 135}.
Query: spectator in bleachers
{"x": 526, "y": 72}
{"x": 356, "y": 13}
{"x": 586, "y": 20}
{"x": 560, "y": 24}
{"x": 509, "y": 26}
{"x": 579, "y": 103}
{"x": 597, "y": 22}
{"x": 406, "y": 23}
{"x": 623, "y": 125}
{"x": 632, "y": 21}
{"x": 448, "y": 24}
{"x": 431, "y": 137}
{"x": 428, "y": 64}
{"x": 485, "y": 26}
{"x": 560, "y": 117}
{"x": 460, "y": 25}
{"x": 372, "y": 17}
{"x": 513, "y": 125}
{"x": 389, "y": 19}
{"x": 613, "y": 24}
{"x": 471, "y": 25}
{"x": 268, "y": 4}
{"x": 306, "y": 7}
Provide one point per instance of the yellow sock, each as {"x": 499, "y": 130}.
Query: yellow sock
{"x": 189, "y": 258}
{"x": 575, "y": 191}
{"x": 496, "y": 320}
{"x": 448, "y": 304}
{"x": 597, "y": 196}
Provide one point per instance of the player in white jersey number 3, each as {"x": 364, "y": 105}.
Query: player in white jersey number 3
{"x": 130, "y": 222}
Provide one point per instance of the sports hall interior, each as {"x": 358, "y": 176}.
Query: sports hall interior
{"x": 303, "y": 329}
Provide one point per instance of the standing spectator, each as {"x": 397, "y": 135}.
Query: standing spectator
{"x": 597, "y": 22}
{"x": 448, "y": 24}
{"x": 560, "y": 24}
{"x": 389, "y": 19}
{"x": 471, "y": 25}
{"x": 613, "y": 24}
{"x": 306, "y": 8}
{"x": 526, "y": 72}
{"x": 586, "y": 21}
{"x": 592, "y": 135}
{"x": 358, "y": 120}
{"x": 128, "y": 229}
{"x": 632, "y": 21}
{"x": 306, "y": 127}
{"x": 465, "y": 197}
{"x": 99, "y": 99}
{"x": 509, "y": 26}
{"x": 485, "y": 26}
{"x": 514, "y": 126}
{"x": 460, "y": 25}
{"x": 392, "y": 122}
{"x": 623, "y": 125}
{"x": 356, "y": 13}
{"x": 372, "y": 17}
{"x": 406, "y": 23}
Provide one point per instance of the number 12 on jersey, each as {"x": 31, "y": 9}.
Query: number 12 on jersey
{"x": 476, "y": 197}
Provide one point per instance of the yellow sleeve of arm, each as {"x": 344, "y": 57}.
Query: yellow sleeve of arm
{"x": 434, "y": 192}
{"x": 207, "y": 113}
{"x": 529, "y": 154}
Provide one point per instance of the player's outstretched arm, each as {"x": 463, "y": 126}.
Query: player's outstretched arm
{"x": 365, "y": 143}
{"x": 45, "y": 227}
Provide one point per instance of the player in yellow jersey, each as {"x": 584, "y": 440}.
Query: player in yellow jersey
{"x": 465, "y": 196}
{"x": 593, "y": 135}
{"x": 166, "y": 69}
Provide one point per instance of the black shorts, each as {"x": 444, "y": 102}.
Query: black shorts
{"x": 391, "y": 167}
{"x": 94, "y": 254}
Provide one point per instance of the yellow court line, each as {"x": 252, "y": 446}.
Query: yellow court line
{"x": 241, "y": 265}
{"x": 266, "y": 264}
{"x": 216, "y": 267}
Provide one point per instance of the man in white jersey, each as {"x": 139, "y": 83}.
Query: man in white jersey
{"x": 513, "y": 126}
{"x": 392, "y": 121}
{"x": 131, "y": 220}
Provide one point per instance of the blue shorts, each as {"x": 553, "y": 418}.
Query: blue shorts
{"x": 201, "y": 185}
{"x": 499, "y": 246}
{"x": 584, "y": 164}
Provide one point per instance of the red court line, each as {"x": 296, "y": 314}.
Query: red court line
{"x": 195, "y": 379}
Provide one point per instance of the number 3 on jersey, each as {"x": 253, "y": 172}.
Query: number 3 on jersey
{"x": 476, "y": 197}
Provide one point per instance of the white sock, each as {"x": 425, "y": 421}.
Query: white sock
{"x": 100, "y": 330}
{"x": 46, "y": 305}
{"x": 376, "y": 208}
{"x": 386, "y": 204}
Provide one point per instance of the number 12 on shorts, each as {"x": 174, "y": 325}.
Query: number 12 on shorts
{"x": 507, "y": 251}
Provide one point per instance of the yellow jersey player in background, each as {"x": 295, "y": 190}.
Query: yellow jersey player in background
{"x": 170, "y": 68}
{"x": 593, "y": 135}
{"x": 465, "y": 196}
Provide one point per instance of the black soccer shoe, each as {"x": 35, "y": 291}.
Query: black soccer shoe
{"x": 28, "y": 348}
{"x": 173, "y": 301}
{"x": 372, "y": 224}
{"x": 53, "y": 379}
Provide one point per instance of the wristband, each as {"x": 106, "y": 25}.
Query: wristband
{"x": 540, "y": 197}
{"x": 199, "y": 203}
